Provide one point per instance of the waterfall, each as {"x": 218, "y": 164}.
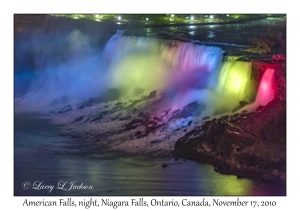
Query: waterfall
{"x": 265, "y": 92}
{"x": 234, "y": 82}
{"x": 181, "y": 72}
{"x": 159, "y": 64}
{"x": 186, "y": 56}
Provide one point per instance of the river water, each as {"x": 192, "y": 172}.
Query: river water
{"x": 44, "y": 159}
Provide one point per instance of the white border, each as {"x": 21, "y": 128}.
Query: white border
{"x": 8, "y": 8}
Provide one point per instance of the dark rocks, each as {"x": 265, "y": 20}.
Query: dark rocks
{"x": 212, "y": 129}
{"x": 205, "y": 118}
{"x": 65, "y": 109}
{"x": 152, "y": 94}
{"x": 133, "y": 104}
{"x": 155, "y": 141}
{"x": 86, "y": 120}
{"x": 104, "y": 113}
{"x": 111, "y": 95}
{"x": 63, "y": 100}
{"x": 192, "y": 109}
{"x": 89, "y": 102}
{"x": 122, "y": 118}
{"x": 208, "y": 146}
{"x": 133, "y": 124}
{"x": 119, "y": 103}
{"x": 192, "y": 133}
{"x": 164, "y": 165}
{"x": 176, "y": 111}
{"x": 82, "y": 106}
{"x": 138, "y": 133}
{"x": 134, "y": 110}
{"x": 74, "y": 134}
{"x": 78, "y": 119}
{"x": 234, "y": 146}
{"x": 269, "y": 123}
{"x": 224, "y": 118}
{"x": 98, "y": 118}
{"x": 241, "y": 105}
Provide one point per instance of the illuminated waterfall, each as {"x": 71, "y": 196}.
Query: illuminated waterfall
{"x": 234, "y": 83}
{"x": 157, "y": 64}
{"x": 265, "y": 92}
{"x": 181, "y": 72}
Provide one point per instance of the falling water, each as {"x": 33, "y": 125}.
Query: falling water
{"x": 182, "y": 72}
{"x": 265, "y": 92}
{"x": 234, "y": 83}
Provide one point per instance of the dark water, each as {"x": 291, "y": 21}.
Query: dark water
{"x": 233, "y": 38}
{"x": 43, "y": 157}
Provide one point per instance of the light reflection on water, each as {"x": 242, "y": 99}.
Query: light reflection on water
{"x": 37, "y": 160}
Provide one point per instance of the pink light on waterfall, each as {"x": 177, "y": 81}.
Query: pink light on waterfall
{"x": 265, "y": 92}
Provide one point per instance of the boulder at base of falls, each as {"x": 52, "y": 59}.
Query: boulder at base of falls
{"x": 192, "y": 109}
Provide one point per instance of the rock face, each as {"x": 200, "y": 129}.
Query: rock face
{"x": 208, "y": 146}
{"x": 249, "y": 145}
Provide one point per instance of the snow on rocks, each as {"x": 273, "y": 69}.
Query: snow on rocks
{"x": 134, "y": 125}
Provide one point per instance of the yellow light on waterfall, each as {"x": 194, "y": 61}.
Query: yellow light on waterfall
{"x": 147, "y": 71}
{"x": 238, "y": 84}
{"x": 234, "y": 82}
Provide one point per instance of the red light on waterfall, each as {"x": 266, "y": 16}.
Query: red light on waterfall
{"x": 265, "y": 91}
{"x": 264, "y": 86}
